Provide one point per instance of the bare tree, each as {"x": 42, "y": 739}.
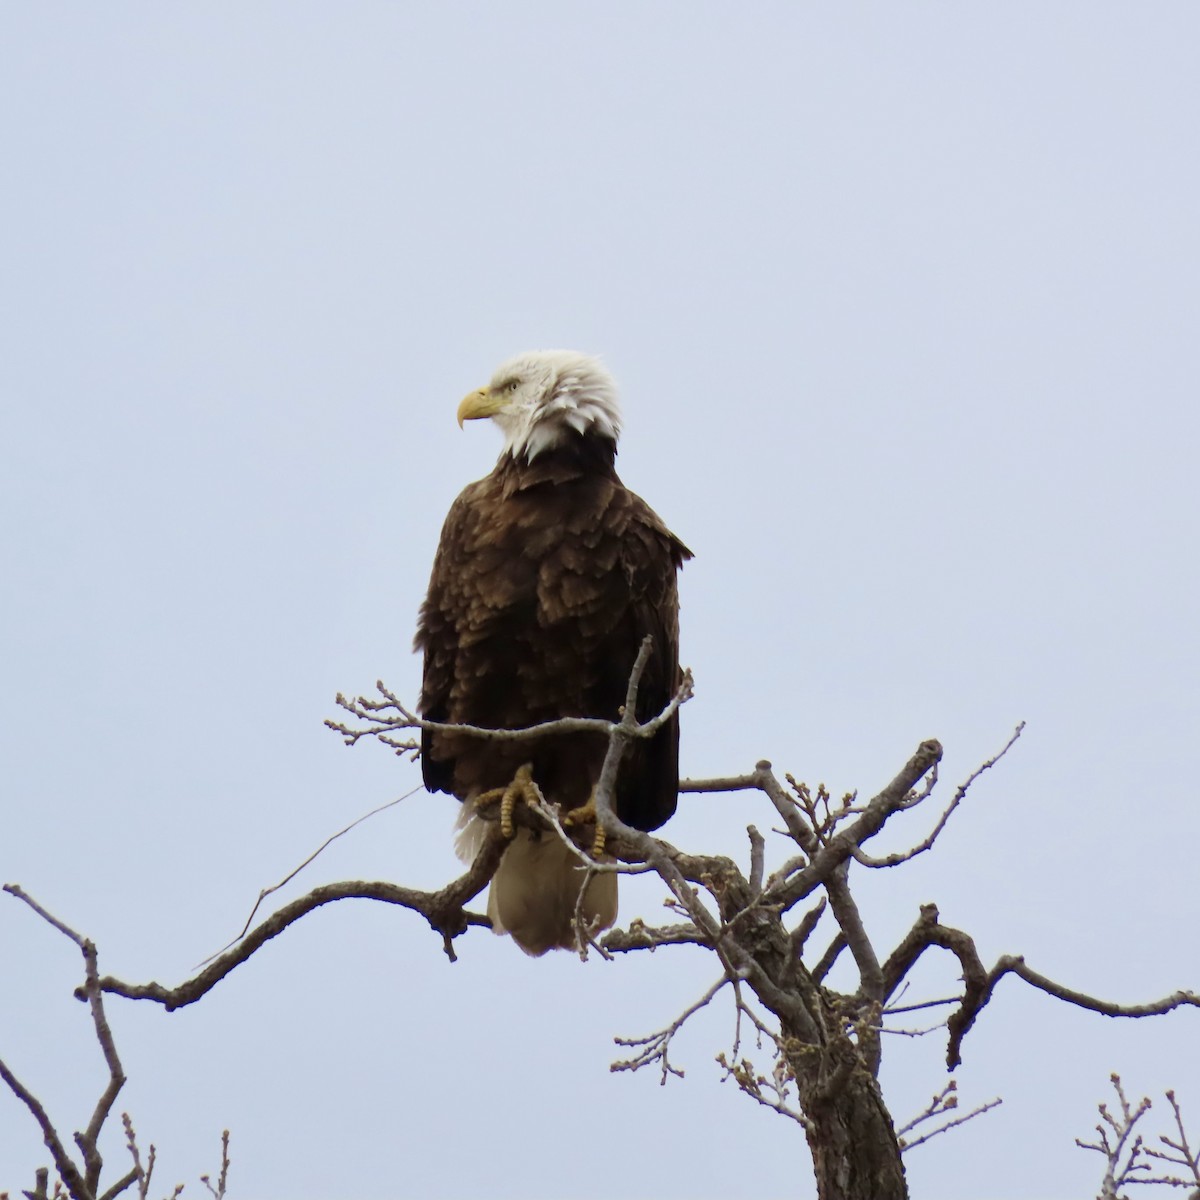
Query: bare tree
{"x": 823, "y": 1046}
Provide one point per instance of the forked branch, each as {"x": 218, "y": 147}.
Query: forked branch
{"x": 980, "y": 983}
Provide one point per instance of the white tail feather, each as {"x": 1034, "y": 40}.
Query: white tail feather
{"x": 535, "y": 891}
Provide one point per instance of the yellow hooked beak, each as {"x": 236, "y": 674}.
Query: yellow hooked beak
{"x": 478, "y": 404}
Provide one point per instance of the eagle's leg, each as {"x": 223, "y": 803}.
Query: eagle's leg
{"x": 585, "y": 815}
{"x": 521, "y": 788}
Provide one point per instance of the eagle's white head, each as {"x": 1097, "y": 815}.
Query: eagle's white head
{"x": 541, "y": 398}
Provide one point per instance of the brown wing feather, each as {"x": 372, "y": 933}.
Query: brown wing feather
{"x": 546, "y": 580}
{"x": 648, "y": 783}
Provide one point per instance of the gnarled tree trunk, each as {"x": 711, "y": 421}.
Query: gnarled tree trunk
{"x": 855, "y": 1151}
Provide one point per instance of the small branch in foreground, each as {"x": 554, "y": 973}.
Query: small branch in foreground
{"x": 945, "y": 1101}
{"x": 382, "y": 719}
{"x": 552, "y": 817}
{"x": 654, "y": 1046}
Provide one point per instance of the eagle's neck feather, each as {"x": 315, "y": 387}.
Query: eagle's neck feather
{"x": 559, "y": 429}
{"x": 575, "y": 458}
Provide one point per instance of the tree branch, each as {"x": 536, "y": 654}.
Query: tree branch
{"x": 382, "y": 727}
{"x": 1015, "y": 965}
{"x": 979, "y": 983}
{"x": 945, "y": 1101}
{"x": 892, "y": 860}
{"x": 640, "y": 936}
{"x": 829, "y": 857}
{"x": 82, "y": 1184}
{"x": 653, "y": 1047}
{"x": 442, "y": 909}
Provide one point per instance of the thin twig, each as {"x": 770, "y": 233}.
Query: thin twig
{"x": 903, "y": 1008}
{"x": 218, "y": 1192}
{"x": 262, "y": 895}
{"x": 654, "y": 1046}
{"x": 945, "y": 1101}
{"x": 892, "y": 860}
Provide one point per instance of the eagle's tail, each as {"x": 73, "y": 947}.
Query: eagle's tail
{"x": 535, "y": 892}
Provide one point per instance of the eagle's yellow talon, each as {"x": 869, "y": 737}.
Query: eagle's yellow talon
{"x": 521, "y": 788}
{"x": 507, "y": 803}
{"x": 586, "y": 815}
{"x": 582, "y": 815}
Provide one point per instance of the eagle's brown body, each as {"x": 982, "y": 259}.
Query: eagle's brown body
{"x": 548, "y": 576}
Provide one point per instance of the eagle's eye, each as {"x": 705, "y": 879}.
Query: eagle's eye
{"x": 513, "y": 384}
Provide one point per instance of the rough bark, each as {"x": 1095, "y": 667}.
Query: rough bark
{"x": 855, "y": 1151}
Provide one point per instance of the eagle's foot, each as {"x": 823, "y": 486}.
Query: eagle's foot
{"x": 521, "y": 788}
{"x": 586, "y": 815}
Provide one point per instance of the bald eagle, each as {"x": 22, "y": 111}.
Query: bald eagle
{"x": 549, "y": 574}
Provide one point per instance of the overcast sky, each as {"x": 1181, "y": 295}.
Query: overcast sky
{"x": 904, "y": 302}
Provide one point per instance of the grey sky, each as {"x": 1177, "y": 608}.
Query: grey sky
{"x": 904, "y": 303}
